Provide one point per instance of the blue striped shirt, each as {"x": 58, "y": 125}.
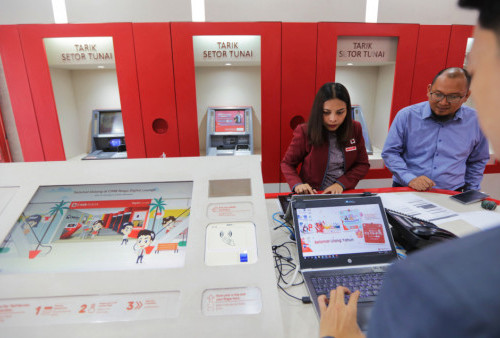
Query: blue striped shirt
{"x": 452, "y": 153}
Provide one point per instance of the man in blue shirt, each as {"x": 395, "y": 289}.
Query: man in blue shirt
{"x": 438, "y": 143}
{"x": 449, "y": 289}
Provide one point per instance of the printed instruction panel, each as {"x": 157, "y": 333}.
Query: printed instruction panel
{"x": 88, "y": 309}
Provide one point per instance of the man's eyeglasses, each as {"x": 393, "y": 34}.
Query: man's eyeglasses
{"x": 452, "y": 98}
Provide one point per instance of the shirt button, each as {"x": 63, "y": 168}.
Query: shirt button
{"x": 439, "y": 140}
{"x": 435, "y": 167}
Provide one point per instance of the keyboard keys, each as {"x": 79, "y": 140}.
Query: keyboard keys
{"x": 368, "y": 284}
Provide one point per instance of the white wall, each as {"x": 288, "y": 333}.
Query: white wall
{"x": 70, "y": 127}
{"x": 8, "y": 119}
{"x": 380, "y": 122}
{"x": 286, "y": 10}
{"x": 442, "y": 12}
{"x": 425, "y": 12}
{"x": 228, "y": 86}
{"x": 25, "y": 11}
{"x": 80, "y": 11}
{"x": 77, "y": 93}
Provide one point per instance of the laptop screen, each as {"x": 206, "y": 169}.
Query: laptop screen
{"x": 343, "y": 231}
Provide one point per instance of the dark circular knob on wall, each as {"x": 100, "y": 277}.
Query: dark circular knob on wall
{"x": 295, "y": 121}
{"x": 160, "y": 126}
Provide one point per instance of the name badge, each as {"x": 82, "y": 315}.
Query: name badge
{"x": 350, "y": 148}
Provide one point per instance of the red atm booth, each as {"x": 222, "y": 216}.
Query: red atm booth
{"x": 185, "y": 85}
{"x": 32, "y": 41}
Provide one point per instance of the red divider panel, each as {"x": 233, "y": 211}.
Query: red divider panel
{"x": 20, "y": 94}
{"x": 432, "y": 51}
{"x": 155, "y": 71}
{"x": 299, "y": 44}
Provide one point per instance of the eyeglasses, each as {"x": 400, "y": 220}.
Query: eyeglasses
{"x": 452, "y": 98}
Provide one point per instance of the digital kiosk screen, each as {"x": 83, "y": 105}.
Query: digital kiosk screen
{"x": 229, "y": 121}
{"x": 100, "y": 227}
{"x": 110, "y": 122}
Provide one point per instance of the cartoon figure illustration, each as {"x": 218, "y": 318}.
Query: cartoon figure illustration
{"x": 31, "y": 222}
{"x": 237, "y": 118}
{"x": 144, "y": 239}
{"x": 96, "y": 227}
{"x": 168, "y": 223}
{"x": 126, "y": 230}
{"x": 85, "y": 230}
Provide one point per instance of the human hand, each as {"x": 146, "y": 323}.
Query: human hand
{"x": 335, "y": 188}
{"x": 338, "y": 319}
{"x": 304, "y": 189}
{"x": 421, "y": 183}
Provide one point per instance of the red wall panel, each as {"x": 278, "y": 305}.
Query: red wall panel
{"x": 153, "y": 50}
{"x": 20, "y": 94}
{"x": 299, "y": 44}
{"x": 185, "y": 87}
{"x": 41, "y": 86}
{"x": 432, "y": 51}
{"x": 405, "y": 60}
{"x": 458, "y": 45}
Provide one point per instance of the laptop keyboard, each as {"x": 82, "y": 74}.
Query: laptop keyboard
{"x": 368, "y": 284}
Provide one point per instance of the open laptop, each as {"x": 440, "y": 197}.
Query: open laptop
{"x": 343, "y": 241}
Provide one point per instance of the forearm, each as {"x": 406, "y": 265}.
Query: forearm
{"x": 474, "y": 174}
{"x": 397, "y": 166}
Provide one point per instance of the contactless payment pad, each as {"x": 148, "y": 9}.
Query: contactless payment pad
{"x": 230, "y": 244}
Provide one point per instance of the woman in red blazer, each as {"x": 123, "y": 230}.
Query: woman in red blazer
{"x": 330, "y": 146}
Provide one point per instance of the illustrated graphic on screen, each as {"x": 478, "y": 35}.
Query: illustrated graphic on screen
{"x": 351, "y": 219}
{"x": 374, "y": 233}
{"x": 88, "y": 228}
{"x": 229, "y": 121}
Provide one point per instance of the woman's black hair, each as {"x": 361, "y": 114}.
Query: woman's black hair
{"x": 316, "y": 131}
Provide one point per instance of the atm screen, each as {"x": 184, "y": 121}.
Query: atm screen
{"x": 229, "y": 121}
{"x": 110, "y": 122}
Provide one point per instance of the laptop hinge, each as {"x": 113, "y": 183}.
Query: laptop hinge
{"x": 374, "y": 267}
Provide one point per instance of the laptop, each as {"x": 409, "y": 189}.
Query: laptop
{"x": 343, "y": 241}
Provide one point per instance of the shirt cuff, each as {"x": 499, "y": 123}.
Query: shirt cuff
{"x": 343, "y": 187}
{"x": 407, "y": 178}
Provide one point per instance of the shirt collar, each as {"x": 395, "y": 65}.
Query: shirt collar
{"x": 427, "y": 112}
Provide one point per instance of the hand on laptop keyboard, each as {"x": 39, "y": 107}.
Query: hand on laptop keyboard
{"x": 367, "y": 284}
{"x": 339, "y": 319}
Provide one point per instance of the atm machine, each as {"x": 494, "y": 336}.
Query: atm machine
{"x": 357, "y": 115}
{"x": 229, "y": 131}
{"x": 108, "y": 137}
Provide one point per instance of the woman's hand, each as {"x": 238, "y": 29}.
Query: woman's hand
{"x": 335, "y": 188}
{"x": 304, "y": 189}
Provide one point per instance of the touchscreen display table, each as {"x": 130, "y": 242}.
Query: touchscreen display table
{"x": 100, "y": 228}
